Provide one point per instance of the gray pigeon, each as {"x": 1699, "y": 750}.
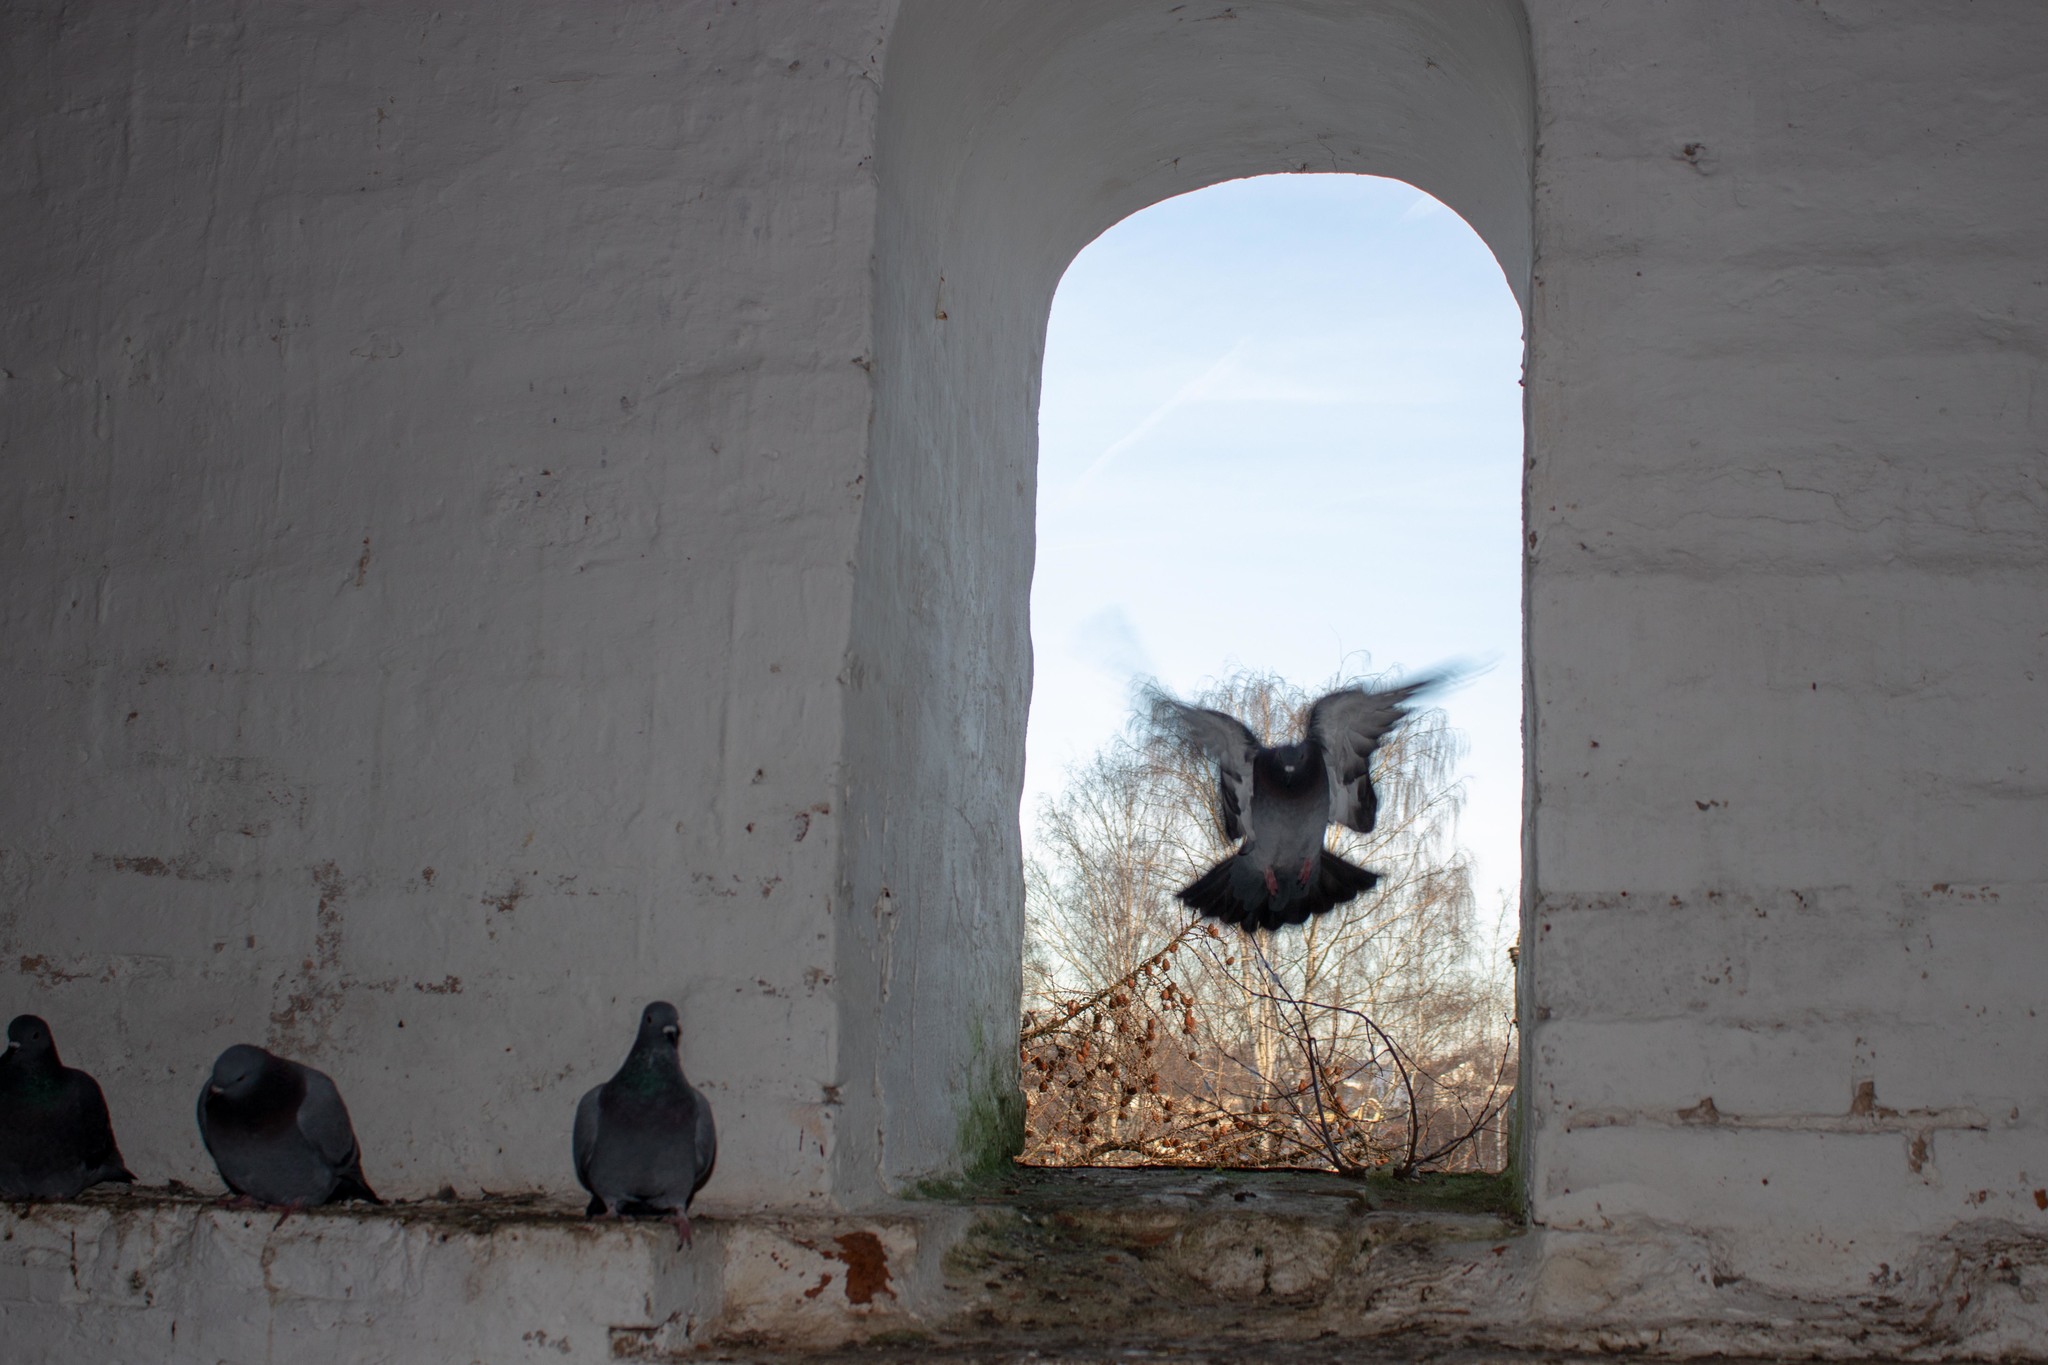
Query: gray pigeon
{"x": 1279, "y": 799}
{"x": 278, "y": 1131}
{"x": 644, "y": 1140}
{"x": 55, "y": 1137}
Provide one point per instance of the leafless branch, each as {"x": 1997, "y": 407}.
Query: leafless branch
{"x": 1360, "y": 1040}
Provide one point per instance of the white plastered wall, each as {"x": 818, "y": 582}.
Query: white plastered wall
{"x": 1787, "y": 627}
{"x": 432, "y": 458}
{"x": 502, "y": 531}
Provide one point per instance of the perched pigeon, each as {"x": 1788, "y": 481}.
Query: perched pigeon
{"x": 279, "y": 1132}
{"x": 644, "y": 1140}
{"x": 55, "y": 1138}
{"x": 1279, "y": 799}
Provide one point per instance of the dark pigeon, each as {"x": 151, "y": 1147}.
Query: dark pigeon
{"x": 644, "y": 1141}
{"x": 279, "y": 1133}
{"x": 1279, "y": 799}
{"x": 55, "y": 1138}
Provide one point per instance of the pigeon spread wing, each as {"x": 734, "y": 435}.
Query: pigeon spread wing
{"x": 1348, "y": 726}
{"x": 1227, "y": 741}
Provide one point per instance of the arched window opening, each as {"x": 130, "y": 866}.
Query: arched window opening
{"x": 1280, "y": 444}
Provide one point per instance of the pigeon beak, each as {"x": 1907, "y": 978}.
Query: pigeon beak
{"x": 671, "y": 1032}
{"x": 214, "y": 1090}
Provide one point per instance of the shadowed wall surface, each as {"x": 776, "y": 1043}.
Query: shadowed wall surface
{"x": 503, "y": 533}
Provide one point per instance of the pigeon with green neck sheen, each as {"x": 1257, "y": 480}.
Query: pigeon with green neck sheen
{"x": 644, "y": 1141}
{"x": 56, "y": 1140}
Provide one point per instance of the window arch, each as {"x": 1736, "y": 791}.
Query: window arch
{"x": 1009, "y": 137}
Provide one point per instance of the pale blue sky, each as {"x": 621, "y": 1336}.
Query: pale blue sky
{"x": 1281, "y": 427}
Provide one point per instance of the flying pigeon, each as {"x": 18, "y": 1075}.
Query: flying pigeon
{"x": 279, "y": 1132}
{"x": 55, "y": 1137}
{"x": 1279, "y": 799}
{"x": 644, "y": 1140}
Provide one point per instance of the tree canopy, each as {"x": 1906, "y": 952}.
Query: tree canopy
{"x": 1374, "y": 1035}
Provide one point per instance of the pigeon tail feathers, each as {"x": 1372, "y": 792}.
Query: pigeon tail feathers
{"x": 351, "y": 1185}
{"x": 1210, "y": 894}
{"x": 1336, "y": 883}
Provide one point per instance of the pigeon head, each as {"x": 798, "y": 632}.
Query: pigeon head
{"x": 237, "y": 1071}
{"x": 1291, "y": 765}
{"x": 30, "y": 1036}
{"x": 660, "y": 1020}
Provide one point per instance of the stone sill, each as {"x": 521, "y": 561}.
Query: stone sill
{"x": 1094, "y": 1256}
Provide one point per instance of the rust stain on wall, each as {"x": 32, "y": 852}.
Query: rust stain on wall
{"x": 802, "y": 823}
{"x": 50, "y": 974}
{"x": 866, "y": 1261}
{"x": 867, "y": 1266}
{"x": 506, "y": 902}
{"x": 187, "y": 867}
{"x": 312, "y": 1001}
{"x": 1865, "y": 1104}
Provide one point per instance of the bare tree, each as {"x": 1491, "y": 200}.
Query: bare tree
{"x": 1371, "y": 1036}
